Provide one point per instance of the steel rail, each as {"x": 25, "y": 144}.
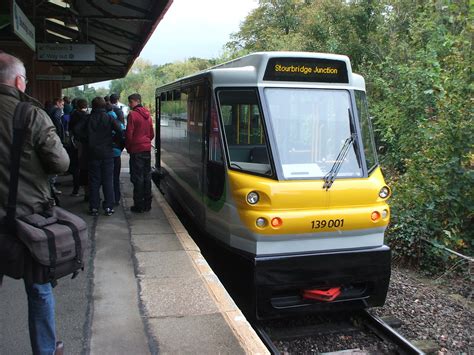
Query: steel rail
{"x": 386, "y": 332}
{"x": 265, "y": 338}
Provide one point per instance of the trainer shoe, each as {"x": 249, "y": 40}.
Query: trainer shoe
{"x": 59, "y": 348}
{"x": 94, "y": 212}
{"x": 109, "y": 211}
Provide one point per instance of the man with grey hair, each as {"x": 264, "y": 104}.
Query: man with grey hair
{"x": 42, "y": 155}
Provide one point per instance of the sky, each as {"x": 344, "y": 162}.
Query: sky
{"x": 193, "y": 28}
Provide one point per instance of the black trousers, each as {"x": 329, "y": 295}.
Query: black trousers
{"x": 117, "y": 167}
{"x": 74, "y": 168}
{"x": 101, "y": 174}
{"x": 140, "y": 176}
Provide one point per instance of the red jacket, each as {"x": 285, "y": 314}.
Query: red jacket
{"x": 139, "y": 132}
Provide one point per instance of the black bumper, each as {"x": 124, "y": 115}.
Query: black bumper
{"x": 363, "y": 276}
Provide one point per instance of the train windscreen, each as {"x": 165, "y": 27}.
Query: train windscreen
{"x": 310, "y": 128}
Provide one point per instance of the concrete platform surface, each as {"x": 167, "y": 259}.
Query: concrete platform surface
{"x": 185, "y": 307}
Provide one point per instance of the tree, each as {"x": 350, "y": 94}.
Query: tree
{"x": 271, "y": 26}
{"x": 87, "y": 92}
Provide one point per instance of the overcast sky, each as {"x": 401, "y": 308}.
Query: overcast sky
{"x": 196, "y": 29}
{"x": 193, "y": 28}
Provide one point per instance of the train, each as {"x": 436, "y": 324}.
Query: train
{"x": 273, "y": 156}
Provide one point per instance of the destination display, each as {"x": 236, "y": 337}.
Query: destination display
{"x": 306, "y": 69}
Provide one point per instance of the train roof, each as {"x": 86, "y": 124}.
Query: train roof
{"x": 276, "y": 68}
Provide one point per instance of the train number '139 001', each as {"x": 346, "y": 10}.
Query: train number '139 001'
{"x": 331, "y": 223}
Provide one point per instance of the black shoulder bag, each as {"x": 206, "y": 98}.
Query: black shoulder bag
{"x": 52, "y": 242}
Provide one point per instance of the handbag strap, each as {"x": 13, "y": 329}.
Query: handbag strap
{"x": 75, "y": 235}
{"x": 19, "y": 130}
{"x": 52, "y": 253}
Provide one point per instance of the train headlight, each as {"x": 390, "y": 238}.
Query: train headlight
{"x": 253, "y": 197}
{"x": 261, "y": 222}
{"x": 384, "y": 192}
{"x": 384, "y": 214}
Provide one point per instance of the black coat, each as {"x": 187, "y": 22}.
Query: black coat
{"x": 77, "y": 126}
{"x": 100, "y": 127}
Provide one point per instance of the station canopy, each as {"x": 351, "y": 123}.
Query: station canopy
{"x": 117, "y": 29}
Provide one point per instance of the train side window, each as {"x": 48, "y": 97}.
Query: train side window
{"x": 366, "y": 128}
{"x": 215, "y": 148}
{"x": 244, "y": 131}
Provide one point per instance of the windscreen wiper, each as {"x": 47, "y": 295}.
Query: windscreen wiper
{"x": 332, "y": 174}
{"x": 356, "y": 147}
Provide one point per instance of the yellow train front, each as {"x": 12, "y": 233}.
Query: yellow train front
{"x": 273, "y": 156}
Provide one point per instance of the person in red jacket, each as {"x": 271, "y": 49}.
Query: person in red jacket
{"x": 138, "y": 137}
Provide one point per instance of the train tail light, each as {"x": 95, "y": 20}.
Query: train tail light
{"x": 276, "y": 222}
{"x": 375, "y": 216}
{"x": 325, "y": 295}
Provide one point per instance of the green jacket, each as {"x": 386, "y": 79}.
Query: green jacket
{"x": 43, "y": 154}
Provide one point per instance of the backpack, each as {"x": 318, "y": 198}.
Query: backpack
{"x": 80, "y": 131}
{"x": 118, "y": 111}
{"x": 119, "y": 137}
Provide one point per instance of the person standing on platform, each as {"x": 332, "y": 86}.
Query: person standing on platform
{"x": 43, "y": 154}
{"x": 56, "y": 114}
{"x": 67, "y": 110}
{"x": 117, "y": 145}
{"x": 100, "y": 128}
{"x": 68, "y": 107}
{"x": 138, "y": 137}
{"x": 118, "y": 111}
{"x": 78, "y": 152}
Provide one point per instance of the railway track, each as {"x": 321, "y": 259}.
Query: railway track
{"x": 388, "y": 334}
{"x": 355, "y": 322}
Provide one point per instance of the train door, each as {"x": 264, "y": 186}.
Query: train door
{"x": 182, "y": 116}
{"x": 197, "y": 108}
{"x": 214, "y": 192}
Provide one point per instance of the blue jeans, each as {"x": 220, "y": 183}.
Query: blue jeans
{"x": 101, "y": 173}
{"x": 41, "y": 318}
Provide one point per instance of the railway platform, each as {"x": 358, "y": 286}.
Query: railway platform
{"x": 146, "y": 289}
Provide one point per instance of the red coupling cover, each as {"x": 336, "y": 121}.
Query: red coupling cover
{"x": 322, "y": 295}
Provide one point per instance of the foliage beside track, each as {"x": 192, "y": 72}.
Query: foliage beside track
{"x": 416, "y": 58}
